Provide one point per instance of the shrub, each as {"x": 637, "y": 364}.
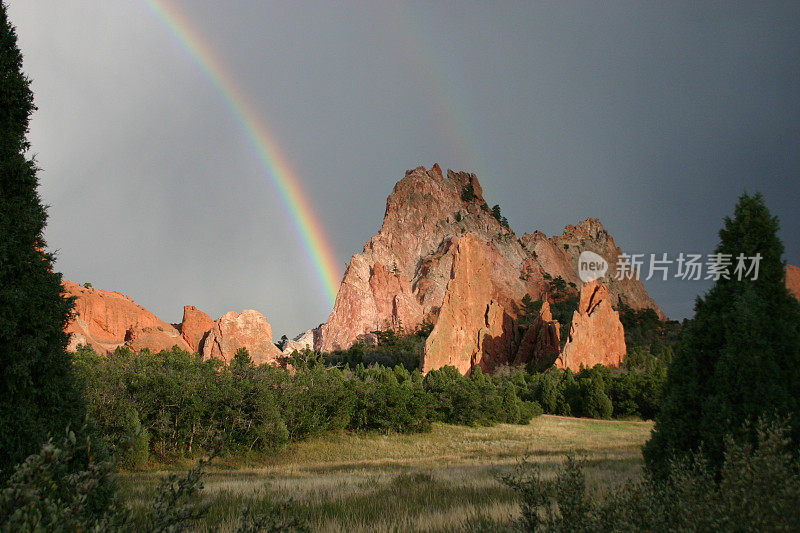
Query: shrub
{"x": 468, "y": 192}
{"x": 757, "y": 489}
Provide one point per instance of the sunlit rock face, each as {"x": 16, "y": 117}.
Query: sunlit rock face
{"x": 596, "y": 335}
{"x": 424, "y": 266}
{"x": 194, "y": 326}
{"x": 108, "y": 320}
{"x": 248, "y": 329}
{"x": 472, "y": 327}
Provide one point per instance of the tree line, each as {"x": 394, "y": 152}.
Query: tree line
{"x": 172, "y": 403}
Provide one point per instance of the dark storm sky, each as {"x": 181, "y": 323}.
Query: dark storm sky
{"x": 651, "y": 116}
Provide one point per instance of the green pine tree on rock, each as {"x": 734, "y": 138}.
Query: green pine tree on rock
{"x": 38, "y": 396}
{"x": 739, "y": 359}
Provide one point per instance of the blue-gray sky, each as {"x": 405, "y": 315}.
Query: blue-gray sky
{"x": 651, "y": 116}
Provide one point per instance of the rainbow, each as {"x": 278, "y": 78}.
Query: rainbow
{"x": 263, "y": 143}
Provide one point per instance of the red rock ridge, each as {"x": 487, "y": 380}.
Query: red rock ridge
{"x": 108, "y": 320}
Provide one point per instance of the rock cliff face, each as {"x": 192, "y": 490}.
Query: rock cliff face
{"x": 793, "y": 280}
{"x": 108, "y": 320}
{"x": 596, "y": 334}
{"x": 472, "y": 328}
{"x": 440, "y": 255}
{"x": 248, "y": 329}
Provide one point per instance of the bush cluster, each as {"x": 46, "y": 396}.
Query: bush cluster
{"x": 391, "y": 349}
{"x": 756, "y": 489}
{"x": 65, "y": 487}
{"x": 598, "y": 392}
{"x": 173, "y": 404}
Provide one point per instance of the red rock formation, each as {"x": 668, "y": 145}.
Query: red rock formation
{"x": 402, "y": 275}
{"x": 194, "y": 326}
{"x": 108, "y": 320}
{"x": 154, "y": 339}
{"x": 541, "y": 343}
{"x": 596, "y": 334}
{"x": 793, "y": 280}
{"x": 558, "y": 256}
{"x": 472, "y": 329}
{"x": 248, "y": 329}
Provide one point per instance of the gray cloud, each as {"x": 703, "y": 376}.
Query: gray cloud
{"x": 653, "y": 117}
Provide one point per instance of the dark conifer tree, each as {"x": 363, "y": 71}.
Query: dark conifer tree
{"x": 739, "y": 358}
{"x": 38, "y": 395}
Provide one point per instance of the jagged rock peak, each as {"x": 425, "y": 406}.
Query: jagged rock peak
{"x": 400, "y": 279}
{"x": 596, "y": 334}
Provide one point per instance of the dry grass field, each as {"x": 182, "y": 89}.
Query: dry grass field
{"x": 445, "y": 480}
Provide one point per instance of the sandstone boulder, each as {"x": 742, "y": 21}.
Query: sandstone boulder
{"x": 248, "y": 329}
{"x": 194, "y": 326}
{"x": 596, "y": 335}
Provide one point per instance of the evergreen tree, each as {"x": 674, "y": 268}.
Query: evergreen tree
{"x": 38, "y": 395}
{"x": 739, "y": 358}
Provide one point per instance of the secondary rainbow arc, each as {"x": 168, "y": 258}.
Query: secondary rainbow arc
{"x": 263, "y": 142}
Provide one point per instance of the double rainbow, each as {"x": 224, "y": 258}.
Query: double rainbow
{"x": 263, "y": 142}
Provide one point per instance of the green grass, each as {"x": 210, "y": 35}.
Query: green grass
{"x": 439, "y": 481}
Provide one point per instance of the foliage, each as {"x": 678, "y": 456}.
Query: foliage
{"x": 172, "y": 404}
{"x": 476, "y": 399}
{"x": 757, "y": 489}
{"x": 61, "y": 488}
{"x": 598, "y": 392}
{"x": 38, "y": 396}
{"x": 281, "y": 344}
{"x": 738, "y": 358}
{"x": 530, "y": 310}
{"x": 64, "y": 488}
{"x": 645, "y": 333}
{"x": 468, "y": 192}
{"x": 175, "y": 505}
{"x": 563, "y": 311}
{"x": 393, "y": 349}
{"x": 175, "y": 403}
{"x": 498, "y": 215}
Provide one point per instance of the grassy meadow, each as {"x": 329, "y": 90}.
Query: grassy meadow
{"x": 444, "y": 480}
